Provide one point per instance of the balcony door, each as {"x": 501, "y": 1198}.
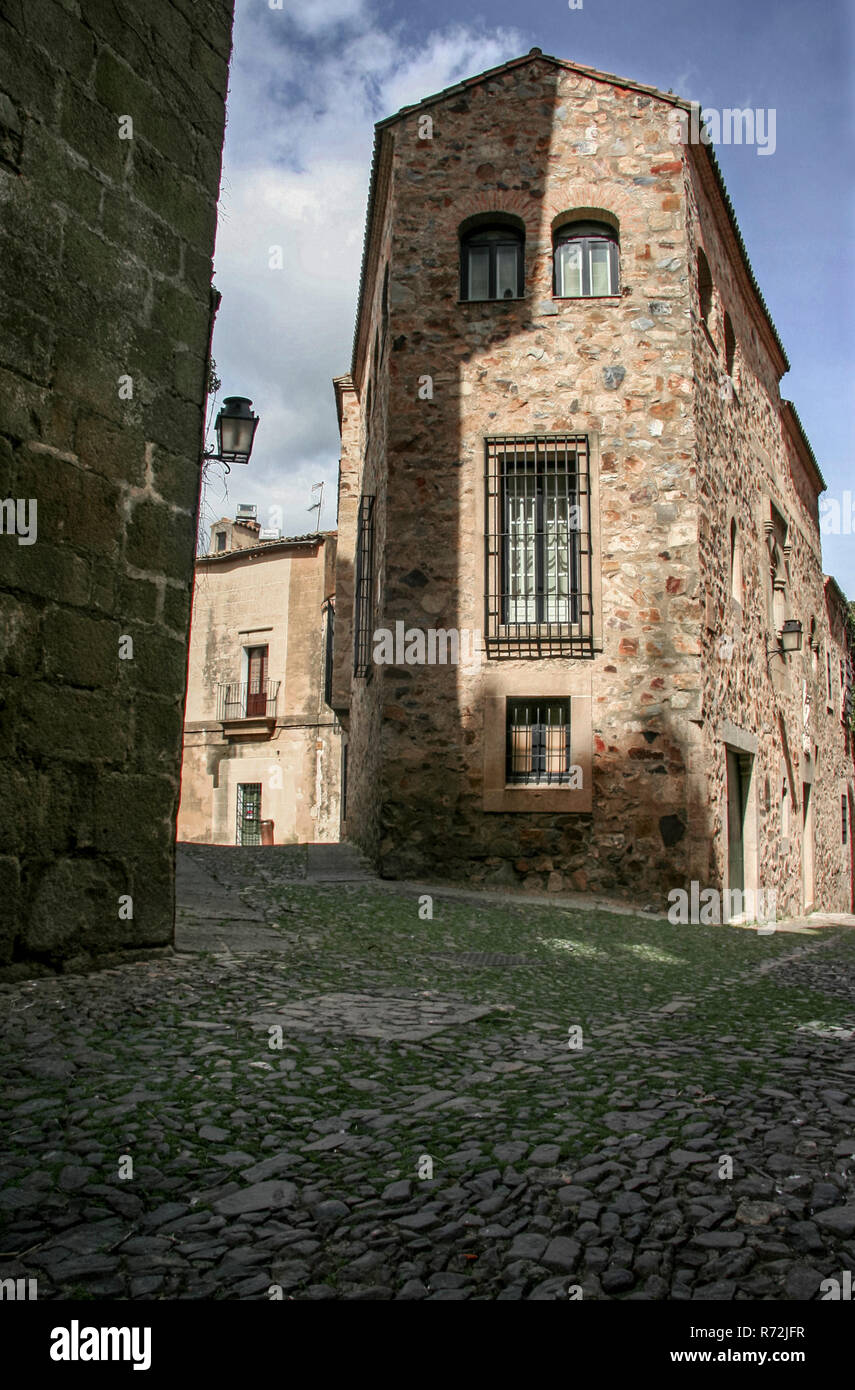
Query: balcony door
{"x": 256, "y": 689}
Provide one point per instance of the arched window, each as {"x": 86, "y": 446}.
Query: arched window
{"x": 705, "y": 288}
{"x": 586, "y": 260}
{"x": 729, "y": 346}
{"x": 491, "y": 263}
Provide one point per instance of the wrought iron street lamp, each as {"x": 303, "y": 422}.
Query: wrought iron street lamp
{"x": 235, "y": 428}
{"x": 789, "y": 639}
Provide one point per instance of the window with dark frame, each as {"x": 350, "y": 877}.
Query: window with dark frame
{"x": 586, "y": 263}
{"x": 538, "y": 742}
{"x": 844, "y": 818}
{"x": 221, "y": 540}
{"x": 363, "y": 620}
{"x": 492, "y": 264}
{"x": 538, "y": 546}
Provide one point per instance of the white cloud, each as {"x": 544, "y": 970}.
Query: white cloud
{"x": 296, "y": 168}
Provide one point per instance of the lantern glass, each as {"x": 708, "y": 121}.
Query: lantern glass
{"x": 236, "y": 426}
{"x": 791, "y": 636}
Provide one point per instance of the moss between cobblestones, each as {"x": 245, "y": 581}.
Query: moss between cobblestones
{"x": 623, "y": 974}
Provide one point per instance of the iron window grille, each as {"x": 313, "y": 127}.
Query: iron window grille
{"x": 363, "y": 625}
{"x": 492, "y": 264}
{"x": 538, "y": 546}
{"x": 248, "y": 813}
{"x": 538, "y": 742}
{"x": 586, "y": 261}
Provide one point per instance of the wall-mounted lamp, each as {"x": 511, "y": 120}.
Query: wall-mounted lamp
{"x": 790, "y": 639}
{"x": 235, "y": 427}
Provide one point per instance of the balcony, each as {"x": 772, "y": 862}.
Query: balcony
{"x": 245, "y": 712}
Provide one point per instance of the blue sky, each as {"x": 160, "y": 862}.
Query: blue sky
{"x": 310, "y": 79}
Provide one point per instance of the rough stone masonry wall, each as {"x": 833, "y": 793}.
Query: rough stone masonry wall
{"x": 536, "y": 145}
{"x": 363, "y": 472}
{"x": 105, "y": 244}
{"x": 745, "y": 459}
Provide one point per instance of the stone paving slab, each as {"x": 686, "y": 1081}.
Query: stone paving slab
{"x": 373, "y": 1015}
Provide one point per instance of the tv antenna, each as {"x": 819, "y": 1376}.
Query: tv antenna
{"x": 317, "y": 506}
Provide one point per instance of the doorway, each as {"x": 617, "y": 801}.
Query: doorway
{"x": 256, "y": 690}
{"x": 808, "y": 884}
{"x": 740, "y": 871}
{"x": 248, "y": 813}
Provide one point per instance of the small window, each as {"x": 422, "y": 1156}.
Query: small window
{"x": 729, "y": 347}
{"x": 538, "y": 741}
{"x": 736, "y": 584}
{"x": 779, "y": 570}
{"x": 705, "y": 289}
{"x": 844, "y": 819}
{"x": 221, "y": 540}
{"x": 586, "y": 261}
{"x": 384, "y": 302}
{"x": 829, "y": 693}
{"x": 363, "y": 624}
{"x": 785, "y": 811}
{"x": 491, "y": 264}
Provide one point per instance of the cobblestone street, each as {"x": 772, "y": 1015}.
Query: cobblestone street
{"x": 265, "y": 1107}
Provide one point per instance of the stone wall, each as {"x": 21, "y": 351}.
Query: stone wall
{"x": 110, "y": 141}
{"x": 618, "y": 369}
{"x": 752, "y": 457}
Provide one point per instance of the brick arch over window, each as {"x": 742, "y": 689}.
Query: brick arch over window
{"x": 592, "y": 214}
{"x": 494, "y": 218}
{"x": 461, "y": 214}
{"x": 584, "y": 202}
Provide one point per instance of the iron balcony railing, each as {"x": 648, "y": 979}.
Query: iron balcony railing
{"x": 236, "y": 701}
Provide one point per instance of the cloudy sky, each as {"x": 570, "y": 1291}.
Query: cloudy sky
{"x": 309, "y": 80}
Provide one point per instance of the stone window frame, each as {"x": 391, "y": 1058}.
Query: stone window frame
{"x": 736, "y": 551}
{"x": 776, "y": 566}
{"x": 704, "y": 280}
{"x": 526, "y": 679}
{"x": 730, "y": 381}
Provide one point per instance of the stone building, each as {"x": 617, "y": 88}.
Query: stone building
{"x": 562, "y": 430}
{"x": 110, "y": 141}
{"x": 262, "y": 748}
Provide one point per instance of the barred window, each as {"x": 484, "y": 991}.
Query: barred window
{"x": 538, "y": 741}
{"x": 248, "y": 829}
{"x": 363, "y": 620}
{"x": 538, "y": 554}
